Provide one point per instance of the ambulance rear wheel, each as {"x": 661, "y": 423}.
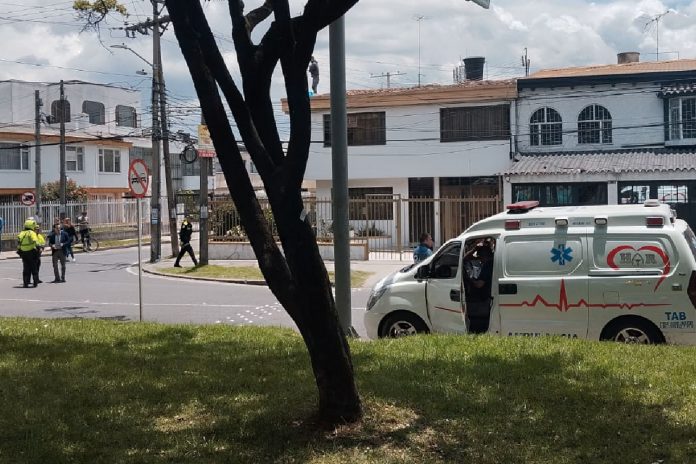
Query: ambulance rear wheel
{"x": 634, "y": 331}
{"x": 402, "y": 324}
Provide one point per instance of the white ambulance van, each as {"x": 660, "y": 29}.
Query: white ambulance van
{"x": 614, "y": 272}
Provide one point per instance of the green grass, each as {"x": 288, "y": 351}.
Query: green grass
{"x": 357, "y": 278}
{"x": 78, "y": 391}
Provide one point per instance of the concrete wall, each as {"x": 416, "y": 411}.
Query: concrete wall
{"x": 243, "y": 250}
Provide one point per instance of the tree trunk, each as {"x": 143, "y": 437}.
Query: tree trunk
{"x": 297, "y": 277}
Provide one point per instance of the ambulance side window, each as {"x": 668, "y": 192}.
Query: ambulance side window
{"x": 633, "y": 252}
{"x": 446, "y": 264}
{"x": 526, "y": 256}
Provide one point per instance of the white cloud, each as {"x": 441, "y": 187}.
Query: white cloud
{"x": 381, "y": 36}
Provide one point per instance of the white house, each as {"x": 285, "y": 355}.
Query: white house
{"x": 431, "y": 142}
{"x": 99, "y": 123}
{"x": 607, "y": 134}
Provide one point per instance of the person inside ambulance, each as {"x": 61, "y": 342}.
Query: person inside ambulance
{"x": 478, "y": 263}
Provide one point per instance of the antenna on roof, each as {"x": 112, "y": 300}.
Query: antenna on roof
{"x": 648, "y": 26}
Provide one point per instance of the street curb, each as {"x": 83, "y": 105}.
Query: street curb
{"x": 206, "y": 279}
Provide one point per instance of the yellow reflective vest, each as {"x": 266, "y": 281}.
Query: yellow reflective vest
{"x": 28, "y": 240}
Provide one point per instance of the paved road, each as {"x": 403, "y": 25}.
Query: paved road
{"x": 104, "y": 285}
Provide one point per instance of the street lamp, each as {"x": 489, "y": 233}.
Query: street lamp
{"x": 158, "y": 133}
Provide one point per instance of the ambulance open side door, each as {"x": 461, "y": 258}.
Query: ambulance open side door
{"x": 443, "y": 295}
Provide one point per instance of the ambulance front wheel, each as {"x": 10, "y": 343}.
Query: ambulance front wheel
{"x": 402, "y": 324}
{"x": 632, "y": 330}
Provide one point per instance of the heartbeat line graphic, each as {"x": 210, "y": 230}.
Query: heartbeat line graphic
{"x": 564, "y": 306}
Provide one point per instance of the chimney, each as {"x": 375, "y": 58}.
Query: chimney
{"x": 628, "y": 57}
{"x": 473, "y": 68}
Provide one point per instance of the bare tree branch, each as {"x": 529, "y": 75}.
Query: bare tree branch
{"x": 258, "y": 15}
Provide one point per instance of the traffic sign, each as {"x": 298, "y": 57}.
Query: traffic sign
{"x": 28, "y": 199}
{"x": 205, "y": 143}
{"x": 138, "y": 178}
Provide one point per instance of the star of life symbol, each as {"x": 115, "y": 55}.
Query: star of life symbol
{"x": 561, "y": 254}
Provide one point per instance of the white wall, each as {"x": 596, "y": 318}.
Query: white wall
{"x": 413, "y": 149}
{"x": 637, "y": 114}
{"x": 50, "y": 169}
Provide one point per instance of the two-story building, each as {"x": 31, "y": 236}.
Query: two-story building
{"x": 101, "y": 122}
{"x": 408, "y": 146}
{"x": 609, "y": 134}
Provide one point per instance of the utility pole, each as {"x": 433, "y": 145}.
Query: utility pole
{"x": 388, "y": 76}
{"x": 37, "y": 151}
{"x": 159, "y": 130}
{"x": 171, "y": 197}
{"x": 525, "y": 62}
{"x": 204, "y": 162}
{"x": 63, "y": 181}
{"x": 339, "y": 173}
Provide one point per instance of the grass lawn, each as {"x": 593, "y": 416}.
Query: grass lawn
{"x": 357, "y": 278}
{"x": 83, "y": 391}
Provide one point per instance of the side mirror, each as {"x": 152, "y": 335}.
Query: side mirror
{"x": 423, "y": 272}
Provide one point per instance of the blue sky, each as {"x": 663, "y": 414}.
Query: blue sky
{"x": 46, "y": 44}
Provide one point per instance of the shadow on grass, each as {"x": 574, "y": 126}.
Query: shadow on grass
{"x": 107, "y": 392}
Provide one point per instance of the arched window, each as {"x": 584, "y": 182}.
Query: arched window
{"x": 60, "y": 112}
{"x": 545, "y": 127}
{"x": 94, "y": 110}
{"x": 126, "y": 116}
{"x": 594, "y": 125}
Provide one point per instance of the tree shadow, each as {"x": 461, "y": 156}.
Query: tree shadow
{"x": 180, "y": 394}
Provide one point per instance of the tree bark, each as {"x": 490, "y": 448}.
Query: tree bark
{"x": 297, "y": 276}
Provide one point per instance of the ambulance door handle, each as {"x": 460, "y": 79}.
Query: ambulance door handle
{"x": 455, "y": 295}
{"x": 507, "y": 289}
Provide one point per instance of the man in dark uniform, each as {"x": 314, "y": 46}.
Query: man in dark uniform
{"x": 185, "y": 238}
{"x": 314, "y": 72}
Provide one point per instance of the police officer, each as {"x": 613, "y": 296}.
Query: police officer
{"x": 40, "y": 245}
{"x": 185, "y": 238}
{"x": 27, "y": 242}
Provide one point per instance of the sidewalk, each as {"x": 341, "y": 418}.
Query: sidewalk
{"x": 377, "y": 269}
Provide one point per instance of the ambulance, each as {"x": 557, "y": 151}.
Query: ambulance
{"x": 614, "y": 272}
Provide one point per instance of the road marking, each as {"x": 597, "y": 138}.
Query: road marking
{"x": 100, "y": 303}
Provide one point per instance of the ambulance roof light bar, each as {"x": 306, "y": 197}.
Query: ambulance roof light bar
{"x": 651, "y": 202}
{"x": 521, "y": 207}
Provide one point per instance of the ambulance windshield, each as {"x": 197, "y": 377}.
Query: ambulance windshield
{"x": 691, "y": 240}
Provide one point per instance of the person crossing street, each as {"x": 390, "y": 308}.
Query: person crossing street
{"x": 185, "y": 238}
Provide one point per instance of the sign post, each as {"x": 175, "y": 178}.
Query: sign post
{"x": 138, "y": 180}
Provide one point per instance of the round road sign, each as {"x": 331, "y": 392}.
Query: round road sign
{"x": 28, "y": 199}
{"x": 138, "y": 178}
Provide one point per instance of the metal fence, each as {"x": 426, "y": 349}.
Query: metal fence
{"x": 105, "y": 217}
{"x": 390, "y": 226}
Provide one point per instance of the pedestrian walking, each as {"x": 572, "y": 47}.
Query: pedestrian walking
{"x": 58, "y": 240}
{"x": 40, "y": 245}
{"x": 185, "y": 238}
{"x": 69, "y": 228}
{"x": 27, "y": 242}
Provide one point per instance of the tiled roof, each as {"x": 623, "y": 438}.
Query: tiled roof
{"x": 624, "y": 161}
{"x": 430, "y": 87}
{"x": 617, "y": 69}
{"x": 678, "y": 89}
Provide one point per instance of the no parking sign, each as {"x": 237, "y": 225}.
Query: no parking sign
{"x": 138, "y": 178}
